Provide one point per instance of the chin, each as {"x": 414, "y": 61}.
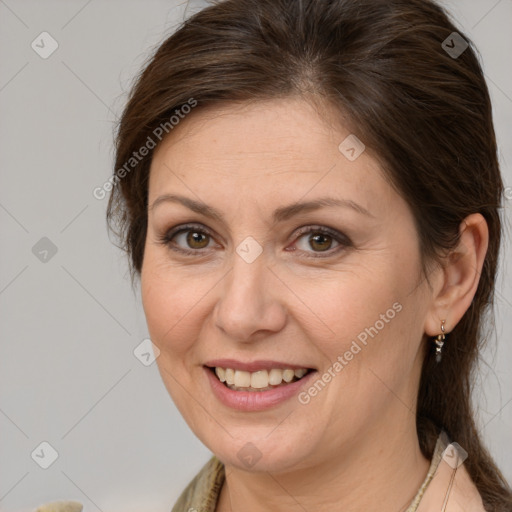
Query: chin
{"x": 274, "y": 453}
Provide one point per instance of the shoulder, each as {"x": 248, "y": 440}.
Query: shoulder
{"x": 464, "y": 496}
{"x": 203, "y": 491}
{"x": 451, "y": 490}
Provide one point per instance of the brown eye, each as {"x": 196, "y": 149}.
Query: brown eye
{"x": 315, "y": 240}
{"x": 196, "y": 239}
{"x": 320, "y": 242}
{"x": 190, "y": 240}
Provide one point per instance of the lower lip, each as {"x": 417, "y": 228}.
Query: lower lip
{"x": 255, "y": 400}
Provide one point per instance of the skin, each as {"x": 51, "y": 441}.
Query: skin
{"x": 246, "y": 161}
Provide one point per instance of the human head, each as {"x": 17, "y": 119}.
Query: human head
{"x": 422, "y": 114}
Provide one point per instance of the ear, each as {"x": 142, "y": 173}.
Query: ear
{"x": 459, "y": 276}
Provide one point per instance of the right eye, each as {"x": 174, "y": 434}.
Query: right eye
{"x": 190, "y": 239}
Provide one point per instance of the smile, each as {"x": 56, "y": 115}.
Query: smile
{"x": 260, "y": 380}
{"x": 256, "y": 385}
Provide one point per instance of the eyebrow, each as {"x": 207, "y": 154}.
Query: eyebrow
{"x": 280, "y": 214}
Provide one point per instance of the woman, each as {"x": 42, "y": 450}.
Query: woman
{"x": 310, "y": 193}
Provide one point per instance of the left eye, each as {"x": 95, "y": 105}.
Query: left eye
{"x": 321, "y": 240}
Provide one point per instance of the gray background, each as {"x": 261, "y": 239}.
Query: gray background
{"x": 70, "y": 323}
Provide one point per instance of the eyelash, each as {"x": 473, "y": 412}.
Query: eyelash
{"x": 340, "y": 238}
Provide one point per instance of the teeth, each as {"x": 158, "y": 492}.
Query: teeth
{"x": 261, "y": 379}
{"x": 230, "y": 376}
{"x": 242, "y": 379}
{"x": 275, "y": 377}
{"x": 300, "y": 373}
{"x": 221, "y": 374}
{"x": 288, "y": 375}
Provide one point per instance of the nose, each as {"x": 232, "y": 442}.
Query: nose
{"x": 250, "y": 303}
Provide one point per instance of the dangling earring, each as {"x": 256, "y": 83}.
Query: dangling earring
{"x": 440, "y": 342}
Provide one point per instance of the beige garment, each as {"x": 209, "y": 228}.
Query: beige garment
{"x": 202, "y": 493}
{"x": 61, "y": 506}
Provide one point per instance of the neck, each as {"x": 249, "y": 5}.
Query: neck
{"x": 381, "y": 470}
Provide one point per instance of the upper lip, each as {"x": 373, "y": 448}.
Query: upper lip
{"x": 253, "y": 366}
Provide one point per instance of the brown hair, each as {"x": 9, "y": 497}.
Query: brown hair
{"x": 424, "y": 113}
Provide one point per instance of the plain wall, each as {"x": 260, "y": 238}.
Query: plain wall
{"x": 70, "y": 321}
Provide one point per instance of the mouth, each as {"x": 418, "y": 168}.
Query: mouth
{"x": 259, "y": 380}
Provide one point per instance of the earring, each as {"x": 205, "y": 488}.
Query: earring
{"x": 440, "y": 342}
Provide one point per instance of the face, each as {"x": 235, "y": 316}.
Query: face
{"x": 245, "y": 271}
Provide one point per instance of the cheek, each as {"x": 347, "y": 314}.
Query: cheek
{"x": 371, "y": 359}
{"x": 368, "y": 317}
{"x": 352, "y": 307}
{"x": 168, "y": 302}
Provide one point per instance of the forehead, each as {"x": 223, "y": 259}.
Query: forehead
{"x": 280, "y": 149}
